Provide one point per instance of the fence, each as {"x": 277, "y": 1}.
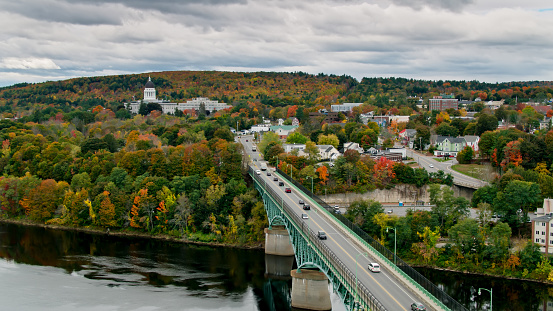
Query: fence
{"x": 439, "y": 294}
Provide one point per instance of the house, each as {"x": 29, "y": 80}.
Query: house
{"x": 295, "y": 122}
{"x": 401, "y": 151}
{"x": 260, "y": 128}
{"x": 448, "y": 146}
{"x": 494, "y": 104}
{"x": 328, "y": 152}
{"x": 290, "y": 147}
{"x": 283, "y": 130}
{"x": 545, "y": 123}
{"x": 352, "y": 146}
{"x": 329, "y": 117}
{"x": 408, "y": 134}
{"x": 472, "y": 141}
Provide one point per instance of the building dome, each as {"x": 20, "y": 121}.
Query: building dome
{"x": 149, "y": 84}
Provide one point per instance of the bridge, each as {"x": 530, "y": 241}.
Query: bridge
{"x": 343, "y": 257}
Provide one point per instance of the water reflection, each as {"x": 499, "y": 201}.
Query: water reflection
{"x": 509, "y": 295}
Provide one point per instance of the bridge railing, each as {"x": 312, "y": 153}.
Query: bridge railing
{"x": 438, "y": 295}
{"x": 349, "y": 278}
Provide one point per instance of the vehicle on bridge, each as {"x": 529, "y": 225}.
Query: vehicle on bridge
{"x": 300, "y": 202}
{"x": 281, "y": 183}
{"x": 288, "y": 190}
{"x": 275, "y": 178}
{"x": 304, "y": 216}
{"x": 268, "y": 173}
{"x": 417, "y": 306}
{"x": 374, "y": 267}
{"x": 258, "y": 172}
{"x": 321, "y": 235}
{"x": 306, "y": 207}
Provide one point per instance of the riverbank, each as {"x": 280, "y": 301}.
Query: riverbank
{"x": 102, "y": 231}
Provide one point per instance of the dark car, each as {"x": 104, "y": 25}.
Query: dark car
{"x": 275, "y": 178}
{"x": 268, "y": 173}
{"x": 288, "y": 190}
{"x": 306, "y": 207}
{"x": 281, "y": 183}
{"x": 321, "y": 235}
{"x": 417, "y": 306}
{"x": 300, "y": 202}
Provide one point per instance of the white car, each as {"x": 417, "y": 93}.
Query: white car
{"x": 374, "y": 267}
{"x": 304, "y": 216}
{"x": 258, "y": 172}
{"x": 431, "y": 165}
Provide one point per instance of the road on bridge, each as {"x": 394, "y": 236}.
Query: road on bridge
{"x": 384, "y": 286}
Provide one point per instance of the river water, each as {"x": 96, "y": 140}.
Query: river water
{"x": 45, "y": 269}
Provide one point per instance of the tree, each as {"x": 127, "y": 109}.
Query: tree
{"x": 467, "y": 236}
{"x": 362, "y": 212}
{"x": 423, "y": 136}
{"x": 106, "y": 211}
{"x": 330, "y": 139}
{"x": 487, "y": 143}
{"x": 447, "y": 208}
{"x": 268, "y": 137}
{"x": 312, "y": 151}
{"x": 465, "y": 156}
{"x": 517, "y": 195}
{"x": 485, "y": 123}
{"x": 445, "y": 129}
{"x": 296, "y": 138}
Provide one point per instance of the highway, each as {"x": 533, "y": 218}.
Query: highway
{"x": 389, "y": 291}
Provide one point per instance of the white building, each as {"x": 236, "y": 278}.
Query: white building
{"x": 260, "y": 128}
{"x": 346, "y": 107}
{"x": 168, "y": 107}
{"x": 353, "y": 146}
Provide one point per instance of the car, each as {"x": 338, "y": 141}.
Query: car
{"x": 301, "y": 202}
{"x": 288, "y": 190}
{"x": 431, "y": 165}
{"x": 275, "y": 178}
{"x": 306, "y": 207}
{"x": 321, "y": 235}
{"x": 337, "y": 211}
{"x": 390, "y": 211}
{"x": 304, "y": 216}
{"x": 417, "y": 306}
{"x": 374, "y": 267}
{"x": 336, "y": 207}
{"x": 246, "y": 140}
{"x": 258, "y": 172}
{"x": 281, "y": 183}
{"x": 268, "y": 173}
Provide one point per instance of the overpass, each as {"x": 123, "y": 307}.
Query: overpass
{"x": 345, "y": 255}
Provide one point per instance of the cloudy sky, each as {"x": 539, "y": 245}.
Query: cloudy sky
{"x": 486, "y": 40}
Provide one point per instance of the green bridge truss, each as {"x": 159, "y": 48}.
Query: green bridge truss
{"x": 310, "y": 252}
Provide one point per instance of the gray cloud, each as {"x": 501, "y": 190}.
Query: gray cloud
{"x": 489, "y": 40}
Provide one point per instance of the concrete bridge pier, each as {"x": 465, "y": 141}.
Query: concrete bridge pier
{"x": 278, "y": 267}
{"x": 310, "y": 290}
{"x": 277, "y": 242}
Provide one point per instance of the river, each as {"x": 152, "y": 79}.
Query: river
{"x": 46, "y": 269}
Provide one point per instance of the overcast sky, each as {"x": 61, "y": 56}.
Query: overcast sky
{"x": 485, "y": 40}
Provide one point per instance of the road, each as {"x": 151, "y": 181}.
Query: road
{"x": 426, "y": 163}
{"x": 389, "y": 291}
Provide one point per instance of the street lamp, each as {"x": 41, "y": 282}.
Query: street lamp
{"x": 395, "y": 241}
{"x": 236, "y": 127}
{"x": 491, "y": 295}
{"x": 420, "y": 144}
{"x": 356, "y": 280}
{"x": 311, "y": 183}
{"x": 291, "y": 170}
{"x": 277, "y": 160}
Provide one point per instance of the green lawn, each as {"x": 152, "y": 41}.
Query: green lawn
{"x": 472, "y": 170}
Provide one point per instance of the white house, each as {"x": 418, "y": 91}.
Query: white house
{"x": 328, "y": 152}
{"x": 291, "y": 147}
{"x": 353, "y": 146}
{"x": 472, "y": 141}
{"x": 260, "y": 128}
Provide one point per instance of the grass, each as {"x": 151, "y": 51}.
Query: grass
{"x": 442, "y": 159}
{"x": 472, "y": 170}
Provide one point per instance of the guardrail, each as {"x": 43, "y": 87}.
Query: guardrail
{"x": 435, "y": 293}
{"x": 348, "y": 277}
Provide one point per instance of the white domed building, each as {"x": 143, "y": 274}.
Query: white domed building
{"x": 170, "y": 108}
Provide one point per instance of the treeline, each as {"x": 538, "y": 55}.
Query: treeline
{"x": 177, "y": 178}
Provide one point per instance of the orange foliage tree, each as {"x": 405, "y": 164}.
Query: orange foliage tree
{"x": 323, "y": 174}
{"x": 384, "y": 171}
{"x": 513, "y": 156}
